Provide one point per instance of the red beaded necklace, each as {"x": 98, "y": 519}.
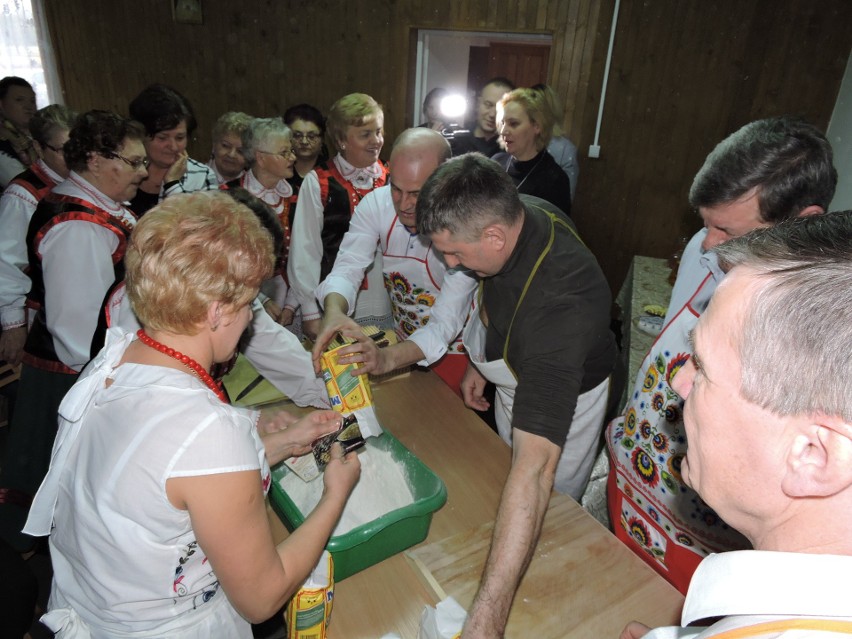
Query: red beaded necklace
{"x": 186, "y": 360}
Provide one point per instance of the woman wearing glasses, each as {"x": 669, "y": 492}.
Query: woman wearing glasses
{"x": 326, "y": 203}
{"x": 308, "y": 127}
{"x": 76, "y": 242}
{"x": 268, "y": 150}
{"x": 169, "y": 121}
{"x": 49, "y": 128}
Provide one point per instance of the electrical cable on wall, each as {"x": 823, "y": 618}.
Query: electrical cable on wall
{"x": 595, "y": 148}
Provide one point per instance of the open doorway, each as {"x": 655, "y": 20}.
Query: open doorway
{"x": 462, "y": 61}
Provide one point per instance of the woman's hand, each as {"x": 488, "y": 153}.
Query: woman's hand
{"x": 272, "y": 420}
{"x": 178, "y": 169}
{"x": 12, "y": 342}
{"x": 311, "y": 327}
{"x": 272, "y": 309}
{"x": 287, "y": 316}
{"x": 341, "y": 473}
{"x": 295, "y": 436}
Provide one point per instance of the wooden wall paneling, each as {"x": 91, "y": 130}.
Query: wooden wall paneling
{"x": 560, "y": 48}
{"x": 491, "y": 16}
{"x": 726, "y": 64}
{"x": 584, "y": 105}
{"x": 684, "y": 75}
{"x": 541, "y": 15}
{"x": 575, "y": 40}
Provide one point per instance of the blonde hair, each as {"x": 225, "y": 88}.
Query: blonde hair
{"x": 193, "y": 250}
{"x": 231, "y": 122}
{"x": 555, "y": 108}
{"x": 350, "y": 110}
{"x": 537, "y": 109}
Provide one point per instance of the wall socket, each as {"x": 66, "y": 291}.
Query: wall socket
{"x": 594, "y": 150}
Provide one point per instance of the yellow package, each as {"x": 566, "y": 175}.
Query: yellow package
{"x": 346, "y": 392}
{"x": 309, "y": 611}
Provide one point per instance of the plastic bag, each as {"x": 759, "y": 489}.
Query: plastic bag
{"x": 444, "y": 621}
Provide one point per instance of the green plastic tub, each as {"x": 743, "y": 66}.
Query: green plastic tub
{"x": 383, "y": 537}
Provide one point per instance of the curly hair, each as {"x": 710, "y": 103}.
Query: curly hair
{"x": 233, "y": 123}
{"x": 98, "y": 132}
{"x": 190, "y": 251}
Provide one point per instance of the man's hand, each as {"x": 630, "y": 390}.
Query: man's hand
{"x": 634, "y": 630}
{"x": 473, "y": 388}
{"x": 12, "y": 344}
{"x": 333, "y": 322}
{"x": 516, "y": 533}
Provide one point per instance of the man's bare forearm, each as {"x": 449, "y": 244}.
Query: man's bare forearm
{"x": 399, "y": 355}
{"x": 516, "y": 533}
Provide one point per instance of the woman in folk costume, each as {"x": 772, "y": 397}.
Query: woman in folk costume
{"x": 268, "y": 149}
{"x": 49, "y": 128}
{"x": 327, "y": 200}
{"x": 75, "y": 241}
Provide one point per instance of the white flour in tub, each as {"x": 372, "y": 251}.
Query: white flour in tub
{"x": 382, "y": 488}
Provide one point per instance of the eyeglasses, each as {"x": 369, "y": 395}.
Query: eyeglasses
{"x": 282, "y": 154}
{"x": 133, "y": 164}
{"x": 55, "y": 149}
{"x": 310, "y": 137}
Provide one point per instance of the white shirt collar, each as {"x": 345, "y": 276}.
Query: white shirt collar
{"x": 360, "y": 178}
{"x": 53, "y": 175}
{"x": 760, "y": 582}
{"x": 84, "y": 189}
{"x": 273, "y": 196}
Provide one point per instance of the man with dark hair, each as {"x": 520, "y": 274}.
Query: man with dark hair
{"x": 539, "y": 331}
{"x": 768, "y": 413}
{"x": 765, "y": 172}
{"x": 484, "y": 137}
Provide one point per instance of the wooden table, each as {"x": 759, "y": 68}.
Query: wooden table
{"x": 599, "y": 586}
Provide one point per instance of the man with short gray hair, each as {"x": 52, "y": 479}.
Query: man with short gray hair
{"x": 768, "y": 414}
{"x": 540, "y": 332}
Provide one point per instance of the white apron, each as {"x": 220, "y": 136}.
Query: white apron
{"x": 581, "y": 443}
{"x": 413, "y": 291}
